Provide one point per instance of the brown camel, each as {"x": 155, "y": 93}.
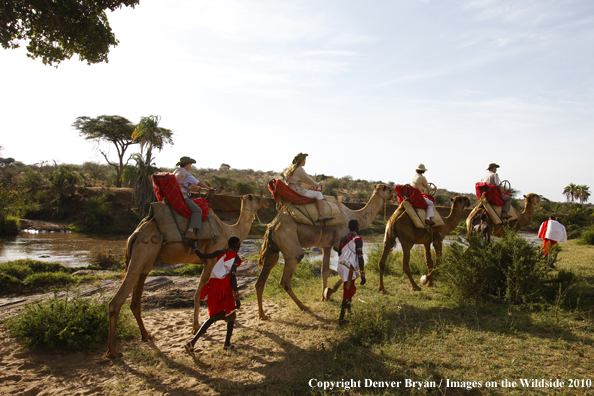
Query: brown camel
{"x": 285, "y": 235}
{"x": 523, "y": 220}
{"x": 402, "y": 227}
{"x": 145, "y": 248}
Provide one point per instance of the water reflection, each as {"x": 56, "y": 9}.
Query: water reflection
{"x": 68, "y": 248}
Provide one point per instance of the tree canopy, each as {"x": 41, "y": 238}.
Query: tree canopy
{"x": 56, "y": 30}
{"x": 114, "y": 129}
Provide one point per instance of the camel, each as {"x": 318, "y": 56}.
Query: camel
{"x": 402, "y": 227}
{"x": 523, "y": 220}
{"x": 285, "y": 235}
{"x": 145, "y": 248}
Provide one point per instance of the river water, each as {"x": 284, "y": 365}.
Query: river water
{"x": 72, "y": 249}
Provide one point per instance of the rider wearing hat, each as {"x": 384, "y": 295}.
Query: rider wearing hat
{"x": 419, "y": 181}
{"x": 493, "y": 178}
{"x": 299, "y": 181}
{"x": 186, "y": 180}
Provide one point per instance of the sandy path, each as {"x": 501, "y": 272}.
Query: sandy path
{"x": 45, "y": 372}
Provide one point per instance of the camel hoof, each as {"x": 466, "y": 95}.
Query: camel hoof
{"x": 147, "y": 337}
{"x": 113, "y": 354}
{"x": 304, "y": 308}
{"x": 264, "y": 317}
{"x": 416, "y": 288}
{"x": 327, "y": 293}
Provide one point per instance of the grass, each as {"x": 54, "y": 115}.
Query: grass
{"x": 402, "y": 336}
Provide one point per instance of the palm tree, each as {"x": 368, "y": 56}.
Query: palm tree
{"x": 570, "y": 192}
{"x": 139, "y": 177}
{"x": 583, "y": 193}
{"x": 151, "y": 135}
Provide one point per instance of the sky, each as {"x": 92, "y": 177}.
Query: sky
{"x": 368, "y": 89}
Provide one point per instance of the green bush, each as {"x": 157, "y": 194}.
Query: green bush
{"x": 97, "y": 214}
{"x": 245, "y": 187}
{"x": 44, "y": 280}
{"x": 190, "y": 270}
{"x": 509, "y": 268}
{"x": 68, "y": 323}
{"x": 10, "y": 225}
{"x": 587, "y": 237}
{"x": 368, "y": 325}
{"x": 10, "y": 283}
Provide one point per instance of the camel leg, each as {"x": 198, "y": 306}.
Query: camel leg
{"x": 329, "y": 291}
{"x": 136, "y": 307}
{"x": 114, "y": 310}
{"x": 141, "y": 262}
{"x": 290, "y": 267}
{"x": 327, "y": 252}
{"x": 429, "y": 262}
{"x": 204, "y": 277}
{"x": 406, "y": 266}
{"x": 268, "y": 260}
{"x": 389, "y": 243}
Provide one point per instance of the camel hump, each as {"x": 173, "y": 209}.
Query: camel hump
{"x": 308, "y": 213}
{"x": 418, "y": 215}
{"x": 494, "y": 211}
{"x": 173, "y": 225}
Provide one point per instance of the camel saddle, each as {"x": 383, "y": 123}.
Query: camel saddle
{"x": 173, "y": 225}
{"x": 494, "y": 211}
{"x": 308, "y": 213}
{"x": 418, "y": 215}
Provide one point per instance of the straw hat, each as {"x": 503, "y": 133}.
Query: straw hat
{"x": 492, "y": 165}
{"x": 185, "y": 160}
{"x": 421, "y": 167}
{"x": 299, "y": 157}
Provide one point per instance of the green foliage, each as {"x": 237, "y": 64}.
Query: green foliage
{"x": 10, "y": 225}
{"x": 587, "y": 237}
{"x": 21, "y": 275}
{"x": 245, "y": 187}
{"x": 54, "y": 31}
{"x": 368, "y": 324}
{"x": 509, "y": 268}
{"x": 393, "y": 264}
{"x": 68, "y": 323}
{"x": 96, "y": 214}
{"x": 63, "y": 181}
{"x": 44, "y": 280}
{"x": 139, "y": 176}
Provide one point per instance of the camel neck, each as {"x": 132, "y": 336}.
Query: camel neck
{"x": 366, "y": 214}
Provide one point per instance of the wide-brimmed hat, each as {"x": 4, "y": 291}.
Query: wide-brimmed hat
{"x": 492, "y": 165}
{"x": 421, "y": 167}
{"x": 299, "y": 157}
{"x": 185, "y": 160}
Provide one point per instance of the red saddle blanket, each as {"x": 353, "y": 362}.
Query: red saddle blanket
{"x": 493, "y": 194}
{"x": 278, "y": 188}
{"x": 165, "y": 186}
{"x": 416, "y": 197}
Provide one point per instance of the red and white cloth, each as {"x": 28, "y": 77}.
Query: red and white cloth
{"x": 279, "y": 189}
{"x": 348, "y": 258}
{"x": 166, "y": 186}
{"x": 218, "y": 288}
{"x": 553, "y": 230}
{"x": 416, "y": 197}
{"x": 493, "y": 194}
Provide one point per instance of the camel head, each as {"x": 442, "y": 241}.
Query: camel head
{"x": 384, "y": 192}
{"x": 460, "y": 200}
{"x": 250, "y": 201}
{"x": 531, "y": 199}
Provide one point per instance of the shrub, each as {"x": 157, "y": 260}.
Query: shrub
{"x": 368, "y": 325}
{"x": 10, "y": 225}
{"x": 97, "y": 214}
{"x": 68, "y": 323}
{"x": 509, "y": 268}
{"x": 587, "y": 237}
{"x": 102, "y": 260}
{"x": 48, "y": 279}
{"x": 245, "y": 187}
{"x": 10, "y": 283}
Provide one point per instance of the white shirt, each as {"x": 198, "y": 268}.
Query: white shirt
{"x": 185, "y": 179}
{"x": 491, "y": 177}
{"x": 348, "y": 257}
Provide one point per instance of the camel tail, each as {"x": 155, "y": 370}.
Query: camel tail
{"x": 266, "y": 245}
{"x": 131, "y": 240}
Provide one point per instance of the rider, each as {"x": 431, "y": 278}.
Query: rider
{"x": 296, "y": 179}
{"x": 493, "y": 178}
{"x": 185, "y": 180}
{"x": 419, "y": 181}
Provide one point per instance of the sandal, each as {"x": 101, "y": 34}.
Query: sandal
{"x": 189, "y": 349}
{"x": 229, "y": 347}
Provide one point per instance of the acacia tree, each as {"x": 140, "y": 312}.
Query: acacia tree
{"x": 56, "y": 30}
{"x": 114, "y": 129}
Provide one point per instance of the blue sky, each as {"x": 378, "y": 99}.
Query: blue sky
{"x": 368, "y": 88}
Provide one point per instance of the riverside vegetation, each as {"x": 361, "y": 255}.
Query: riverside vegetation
{"x": 498, "y": 312}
